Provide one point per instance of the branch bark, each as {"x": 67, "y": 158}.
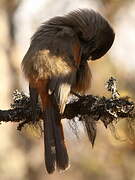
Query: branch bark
{"x": 88, "y": 109}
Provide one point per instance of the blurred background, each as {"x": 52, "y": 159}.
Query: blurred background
{"x": 21, "y": 156}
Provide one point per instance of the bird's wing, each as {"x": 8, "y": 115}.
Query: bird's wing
{"x": 69, "y": 54}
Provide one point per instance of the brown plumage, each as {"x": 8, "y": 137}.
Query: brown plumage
{"x": 56, "y": 64}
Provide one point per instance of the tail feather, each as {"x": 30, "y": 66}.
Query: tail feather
{"x": 50, "y": 153}
{"x": 62, "y": 160}
{"x": 33, "y": 100}
{"x": 55, "y": 149}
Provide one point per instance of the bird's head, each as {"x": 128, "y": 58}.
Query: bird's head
{"x": 94, "y": 32}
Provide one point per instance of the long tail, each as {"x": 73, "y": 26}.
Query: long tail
{"x": 55, "y": 149}
{"x": 49, "y": 143}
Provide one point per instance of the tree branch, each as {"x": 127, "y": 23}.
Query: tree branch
{"x": 88, "y": 109}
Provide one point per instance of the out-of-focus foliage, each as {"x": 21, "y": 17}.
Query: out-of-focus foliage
{"x": 21, "y": 157}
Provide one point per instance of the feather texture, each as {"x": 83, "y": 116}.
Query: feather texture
{"x": 56, "y": 64}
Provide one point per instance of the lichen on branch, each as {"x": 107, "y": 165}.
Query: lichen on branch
{"x": 89, "y": 109}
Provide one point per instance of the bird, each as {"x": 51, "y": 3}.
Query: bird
{"x": 56, "y": 65}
